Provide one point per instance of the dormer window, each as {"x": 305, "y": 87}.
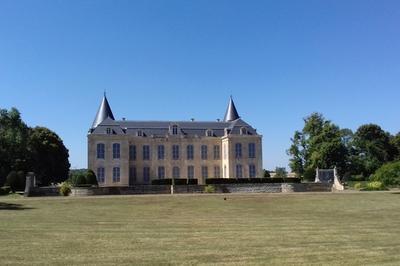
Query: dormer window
{"x": 140, "y": 133}
{"x": 227, "y": 131}
{"x": 174, "y": 130}
{"x": 243, "y": 131}
{"x": 108, "y": 130}
{"x": 209, "y": 133}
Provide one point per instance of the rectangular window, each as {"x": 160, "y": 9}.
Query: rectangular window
{"x": 190, "y": 152}
{"x": 204, "y": 152}
{"x": 252, "y": 171}
{"x": 190, "y": 172}
{"x": 160, "y": 152}
{"x": 100, "y": 175}
{"x": 238, "y": 150}
{"x": 132, "y": 152}
{"x": 204, "y": 172}
{"x": 116, "y": 174}
{"x": 100, "y": 151}
{"x": 116, "y": 150}
{"x": 175, "y": 152}
{"x": 132, "y": 175}
{"x": 146, "y": 152}
{"x": 175, "y": 172}
{"x": 217, "y": 172}
{"x": 216, "y": 152}
{"x": 252, "y": 150}
{"x": 239, "y": 171}
{"x": 146, "y": 175}
{"x": 161, "y": 172}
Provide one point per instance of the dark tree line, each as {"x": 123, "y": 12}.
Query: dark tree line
{"x": 24, "y": 149}
{"x": 322, "y": 144}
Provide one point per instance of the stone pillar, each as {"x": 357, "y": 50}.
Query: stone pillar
{"x": 30, "y": 183}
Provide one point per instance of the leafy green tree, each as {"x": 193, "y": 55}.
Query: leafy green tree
{"x": 395, "y": 141}
{"x": 49, "y": 156}
{"x": 91, "y": 178}
{"x": 320, "y": 144}
{"x": 371, "y": 148}
{"x": 266, "y": 173}
{"x": 388, "y": 174}
{"x": 280, "y": 172}
{"x": 13, "y": 141}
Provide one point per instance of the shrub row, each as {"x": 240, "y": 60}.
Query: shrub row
{"x": 177, "y": 181}
{"x": 211, "y": 181}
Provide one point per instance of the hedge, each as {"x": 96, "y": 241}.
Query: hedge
{"x": 177, "y": 181}
{"x": 212, "y": 181}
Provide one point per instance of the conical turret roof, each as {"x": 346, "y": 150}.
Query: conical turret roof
{"x": 231, "y": 112}
{"x": 103, "y": 112}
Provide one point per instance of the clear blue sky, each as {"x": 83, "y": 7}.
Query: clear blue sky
{"x": 174, "y": 60}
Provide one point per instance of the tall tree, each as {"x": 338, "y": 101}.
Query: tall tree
{"x": 318, "y": 145}
{"x": 13, "y": 140}
{"x": 395, "y": 141}
{"x": 49, "y": 156}
{"x": 372, "y": 147}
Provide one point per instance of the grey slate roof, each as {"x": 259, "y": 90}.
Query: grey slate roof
{"x": 103, "y": 113}
{"x": 231, "y": 112}
{"x": 105, "y": 120}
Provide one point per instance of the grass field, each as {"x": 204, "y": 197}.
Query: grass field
{"x": 325, "y": 228}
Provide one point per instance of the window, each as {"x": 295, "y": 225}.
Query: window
{"x": 146, "y": 152}
{"x": 190, "y": 171}
{"x": 161, "y": 172}
{"x": 139, "y": 133}
{"x": 209, "y": 133}
{"x": 189, "y": 152}
{"x": 116, "y": 150}
{"x": 160, "y": 152}
{"x": 100, "y": 150}
{"x": 204, "y": 152}
{"x": 174, "y": 130}
{"x": 146, "y": 175}
{"x": 238, "y": 150}
{"x": 100, "y": 175}
{"x": 217, "y": 172}
{"x": 204, "y": 172}
{"x": 175, "y": 152}
{"x": 132, "y": 152}
{"x": 108, "y": 130}
{"x": 116, "y": 174}
{"x": 216, "y": 152}
{"x": 252, "y": 150}
{"x": 132, "y": 175}
{"x": 239, "y": 171}
{"x": 175, "y": 172}
{"x": 243, "y": 131}
{"x": 252, "y": 170}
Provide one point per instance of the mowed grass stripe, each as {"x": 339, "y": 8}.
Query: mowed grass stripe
{"x": 323, "y": 228}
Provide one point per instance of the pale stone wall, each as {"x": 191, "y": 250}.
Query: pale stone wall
{"x": 227, "y": 142}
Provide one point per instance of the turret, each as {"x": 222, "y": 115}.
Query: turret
{"x": 103, "y": 113}
{"x": 231, "y": 112}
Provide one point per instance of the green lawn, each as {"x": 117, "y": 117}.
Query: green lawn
{"x": 324, "y": 228}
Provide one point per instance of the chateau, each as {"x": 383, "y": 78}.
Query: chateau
{"x": 125, "y": 153}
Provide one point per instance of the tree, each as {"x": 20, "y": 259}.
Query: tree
{"x": 13, "y": 141}
{"x": 395, "y": 141}
{"x": 91, "y": 178}
{"x": 280, "y": 172}
{"x": 371, "y": 148}
{"x": 388, "y": 174}
{"x": 266, "y": 173}
{"x": 49, "y": 156}
{"x": 318, "y": 145}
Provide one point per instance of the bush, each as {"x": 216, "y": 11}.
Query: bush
{"x": 16, "y": 180}
{"x": 388, "y": 174}
{"x": 209, "y": 189}
{"x": 375, "y": 185}
{"x": 192, "y": 181}
{"x": 168, "y": 181}
{"x": 65, "y": 189}
{"x": 91, "y": 178}
{"x": 357, "y": 186}
{"x": 5, "y": 190}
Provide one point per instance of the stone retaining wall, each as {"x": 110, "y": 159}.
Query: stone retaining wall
{"x": 166, "y": 189}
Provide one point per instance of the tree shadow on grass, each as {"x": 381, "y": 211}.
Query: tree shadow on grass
{"x": 13, "y": 206}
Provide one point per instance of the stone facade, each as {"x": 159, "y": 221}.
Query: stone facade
{"x": 130, "y": 150}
